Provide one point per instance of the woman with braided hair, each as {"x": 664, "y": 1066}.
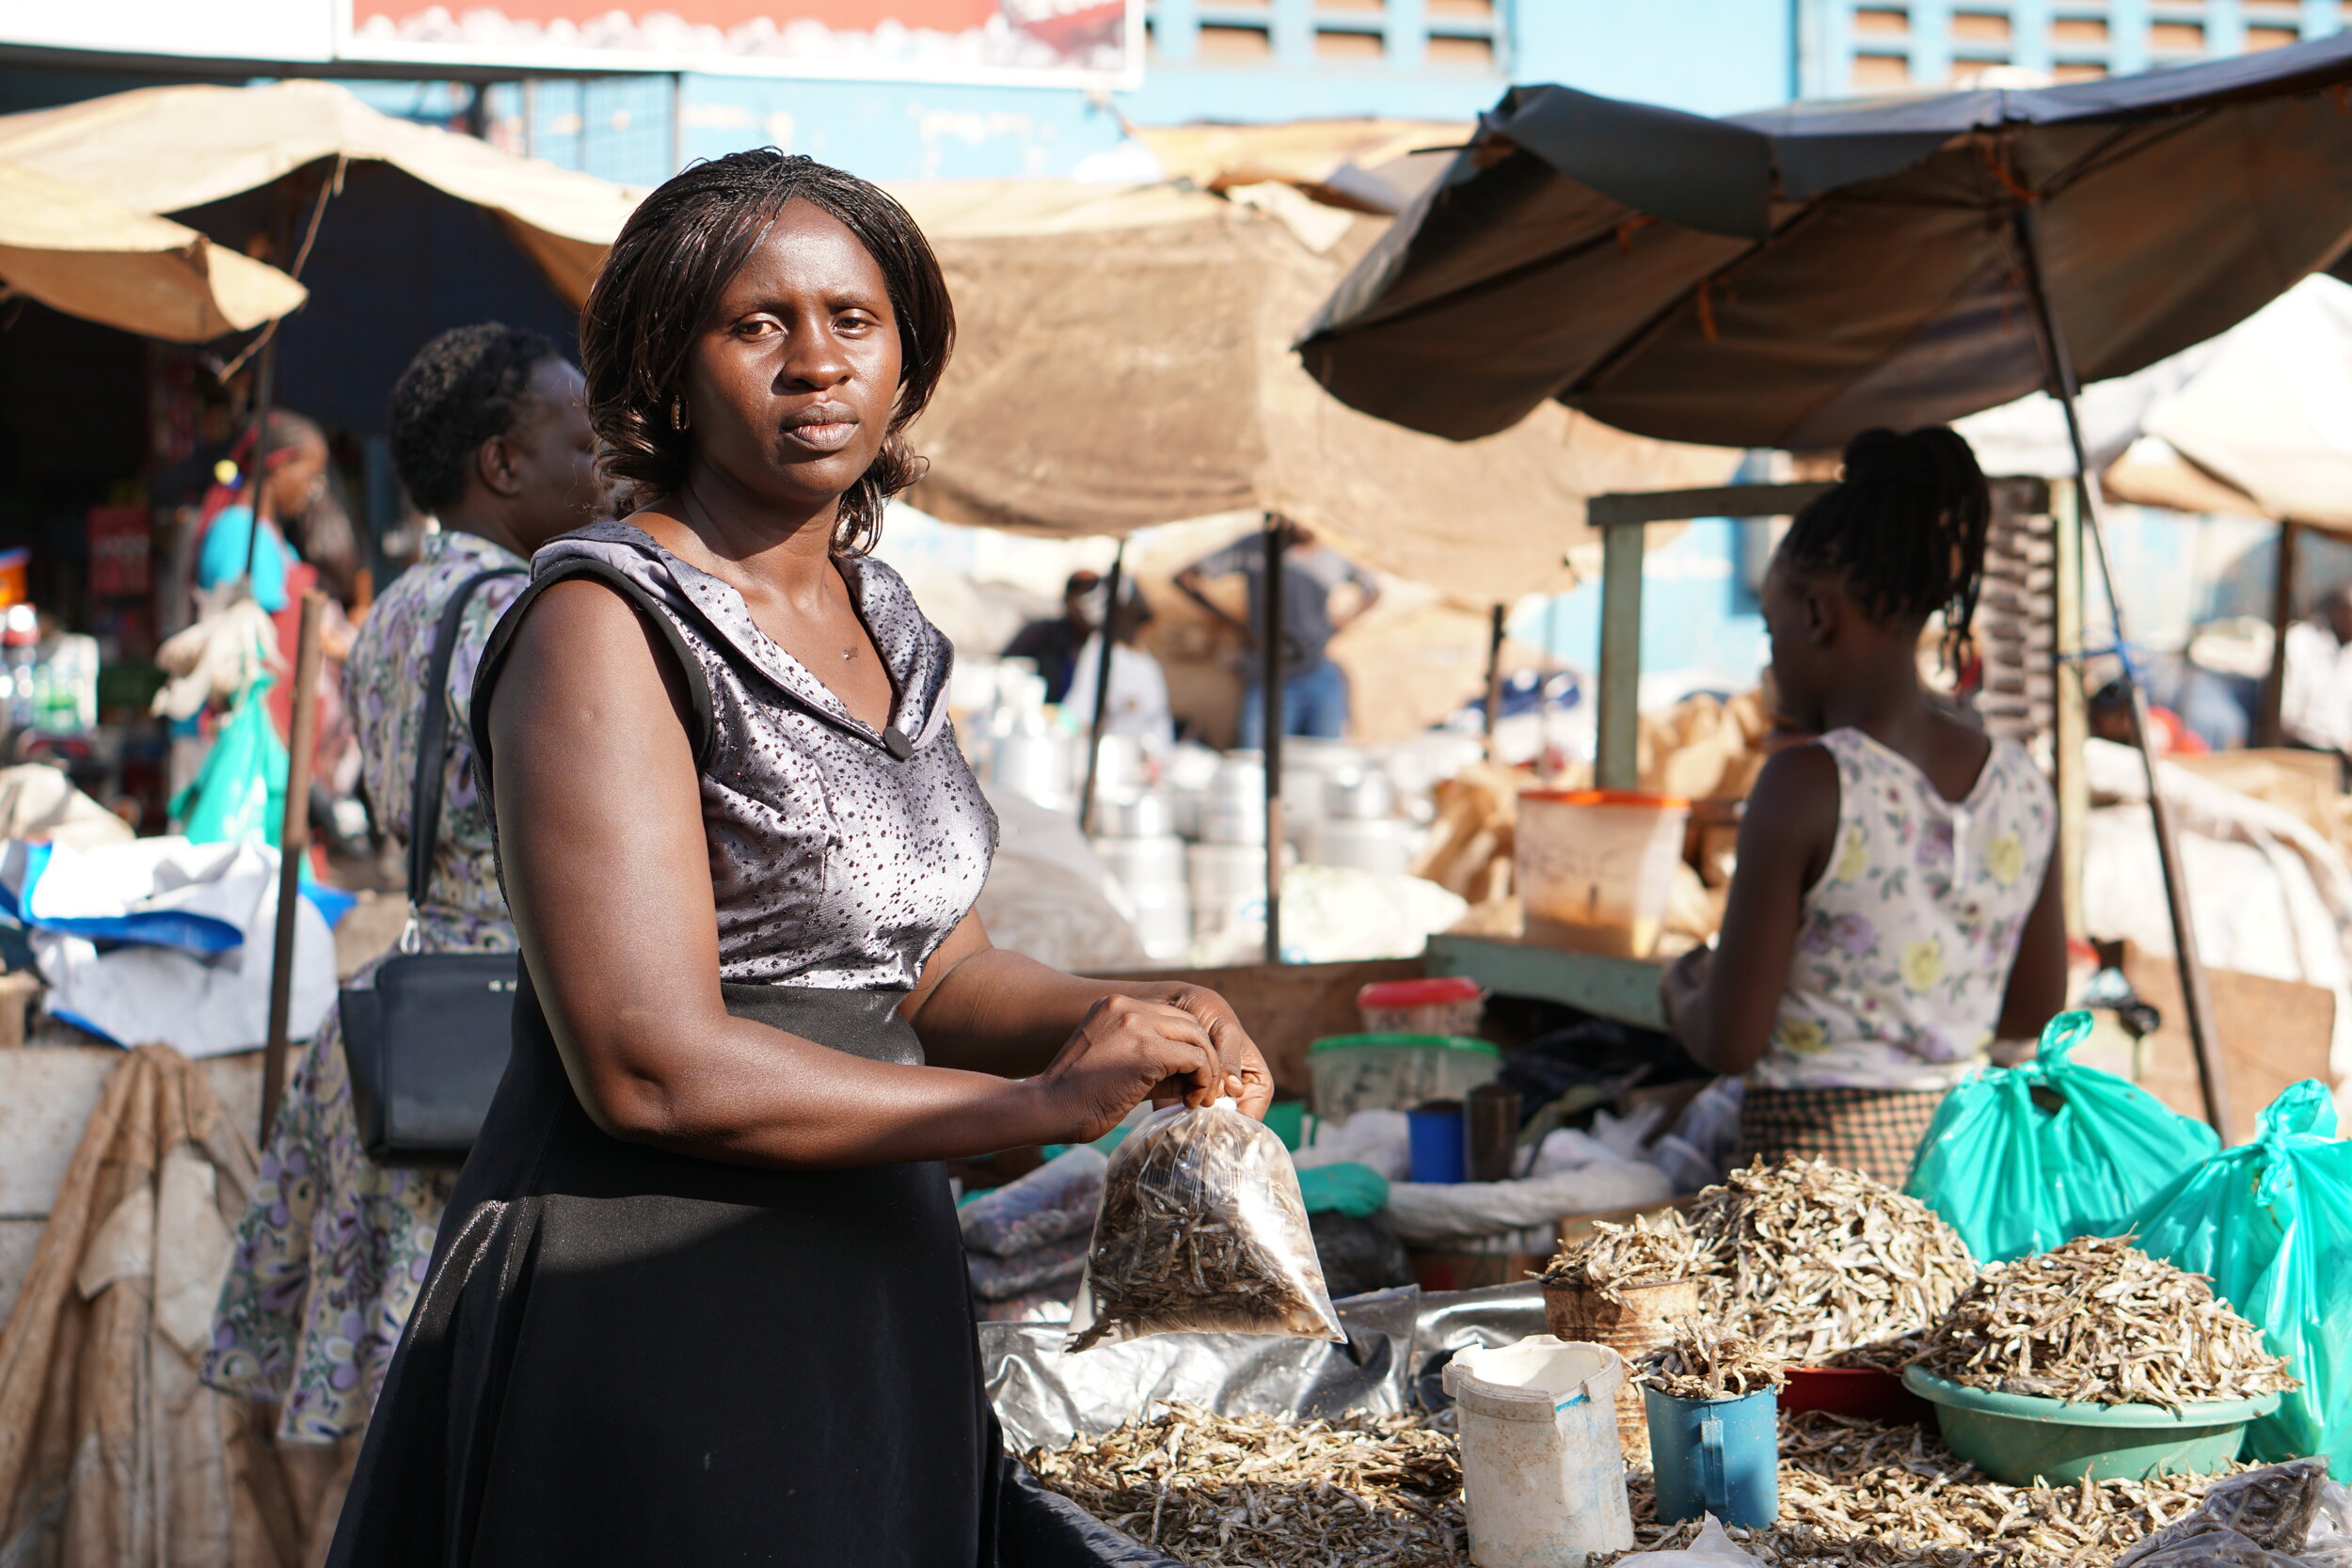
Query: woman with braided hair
{"x": 1893, "y": 910}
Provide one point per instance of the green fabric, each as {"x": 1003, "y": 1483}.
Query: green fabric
{"x": 2271, "y": 1223}
{"x": 239, "y": 795}
{"x": 2014, "y": 1179}
{"x": 1351, "y": 1189}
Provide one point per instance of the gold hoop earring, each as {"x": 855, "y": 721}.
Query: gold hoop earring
{"x": 679, "y": 418}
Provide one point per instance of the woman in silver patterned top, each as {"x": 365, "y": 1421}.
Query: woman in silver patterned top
{"x": 489, "y": 434}
{"x": 699, "y": 1297}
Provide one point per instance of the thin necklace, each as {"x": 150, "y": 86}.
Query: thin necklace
{"x": 691, "y": 500}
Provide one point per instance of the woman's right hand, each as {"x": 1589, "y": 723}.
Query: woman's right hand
{"x": 1126, "y": 1052}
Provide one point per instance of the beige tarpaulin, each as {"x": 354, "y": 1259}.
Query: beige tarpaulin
{"x": 78, "y": 252}
{"x": 165, "y": 150}
{"x": 1368, "y": 164}
{"x": 112, "y": 1455}
{"x": 1123, "y": 360}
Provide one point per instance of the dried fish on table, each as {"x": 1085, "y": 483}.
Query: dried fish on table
{"x": 1269, "y": 1491}
{"x": 1653, "y": 1250}
{"x": 1202, "y": 1230}
{"x": 1701, "y": 1362}
{"x": 1825, "y": 1267}
{"x": 2099, "y": 1321}
{"x": 1854, "y": 1492}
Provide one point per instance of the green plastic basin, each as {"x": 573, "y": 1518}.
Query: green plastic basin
{"x": 2023, "y": 1441}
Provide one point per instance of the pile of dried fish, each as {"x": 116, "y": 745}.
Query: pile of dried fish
{"x": 1701, "y": 1362}
{"x": 1653, "y": 1250}
{"x": 1265, "y": 1490}
{"x": 1856, "y": 1493}
{"x": 1202, "y": 1230}
{"x": 1824, "y": 1267}
{"x": 2099, "y": 1321}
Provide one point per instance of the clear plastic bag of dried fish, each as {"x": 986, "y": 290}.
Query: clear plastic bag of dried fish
{"x": 2099, "y": 1321}
{"x": 1202, "y": 1231}
{"x": 2277, "y": 1515}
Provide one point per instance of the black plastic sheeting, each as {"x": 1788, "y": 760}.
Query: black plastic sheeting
{"x": 1397, "y": 1345}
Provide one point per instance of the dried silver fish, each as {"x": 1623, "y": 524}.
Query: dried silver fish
{"x": 1269, "y": 1491}
{"x": 1825, "y": 1267}
{"x": 1653, "y": 1250}
{"x": 2099, "y": 1321}
{"x": 1701, "y": 1362}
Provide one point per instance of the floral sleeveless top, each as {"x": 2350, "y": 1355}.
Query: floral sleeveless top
{"x": 1904, "y": 950}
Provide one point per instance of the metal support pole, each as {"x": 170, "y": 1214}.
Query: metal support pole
{"x": 2203, "y": 1031}
{"x": 1494, "y": 678}
{"x": 1617, "y": 762}
{"x": 1270, "y": 674}
{"x": 293, "y": 843}
{"x": 1101, "y": 688}
{"x": 2072, "y": 705}
{"x": 2272, "y": 730}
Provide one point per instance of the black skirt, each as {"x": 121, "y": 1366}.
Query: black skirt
{"x": 625, "y": 1356}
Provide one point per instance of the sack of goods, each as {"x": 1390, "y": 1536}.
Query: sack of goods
{"x": 2270, "y": 1223}
{"x": 1202, "y": 1230}
{"x": 2021, "y": 1160}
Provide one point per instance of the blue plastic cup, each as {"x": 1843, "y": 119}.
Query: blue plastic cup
{"x": 1441, "y": 1149}
{"x": 1715, "y": 1456}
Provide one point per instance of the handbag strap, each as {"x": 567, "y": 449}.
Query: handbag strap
{"x": 424, "y": 825}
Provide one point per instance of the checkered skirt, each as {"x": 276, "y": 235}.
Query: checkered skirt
{"x": 1876, "y": 1132}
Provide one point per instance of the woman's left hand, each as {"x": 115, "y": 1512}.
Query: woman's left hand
{"x": 1234, "y": 1047}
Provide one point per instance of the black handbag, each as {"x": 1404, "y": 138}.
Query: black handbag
{"x": 427, "y": 1045}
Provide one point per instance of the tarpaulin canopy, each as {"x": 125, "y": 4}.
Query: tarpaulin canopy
{"x": 1122, "y": 360}
{"x": 2256, "y": 422}
{"x": 1371, "y": 165}
{"x": 1788, "y": 279}
{"x": 165, "y": 150}
{"x": 78, "y": 252}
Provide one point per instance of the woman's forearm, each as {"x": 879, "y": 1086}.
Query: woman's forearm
{"x": 1004, "y": 1012}
{"x": 748, "y": 1094}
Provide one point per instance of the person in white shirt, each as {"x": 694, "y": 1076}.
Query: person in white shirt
{"x": 1139, "y": 686}
{"x": 2315, "y": 708}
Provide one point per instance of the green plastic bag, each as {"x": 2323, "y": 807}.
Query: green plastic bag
{"x": 239, "y": 794}
{"x": 2270, "y": 1223}
{"x": 2019, "y": 1160}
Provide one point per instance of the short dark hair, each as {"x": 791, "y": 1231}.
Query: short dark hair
{"x": 465, "y": 387}
{"x": 1904, "y": 529}
{"x": 662, "y": 277}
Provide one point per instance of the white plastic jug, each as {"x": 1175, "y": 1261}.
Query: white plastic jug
{"x": 1543, "y": 1476}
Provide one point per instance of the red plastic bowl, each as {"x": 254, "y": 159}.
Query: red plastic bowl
{"x": 1859, "y": 1391}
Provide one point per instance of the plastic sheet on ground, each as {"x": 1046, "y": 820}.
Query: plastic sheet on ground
{"x": 1396, "y": 1341}
{"x": 1713, "y": 1548}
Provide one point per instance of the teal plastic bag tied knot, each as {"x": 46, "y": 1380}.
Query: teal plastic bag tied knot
{"x": 239, "y": 794}
{"x": 2270, "y": 1223}
{"x": 2019, "y": 1160}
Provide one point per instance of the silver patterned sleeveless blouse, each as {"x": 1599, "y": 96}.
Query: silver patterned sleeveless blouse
{"x": 835, "y": 862}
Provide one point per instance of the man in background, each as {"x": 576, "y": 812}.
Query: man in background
{"x": 1053, "y": 644}
{"x": 2315, "y": 708}
{"x": 1315, "y": 690}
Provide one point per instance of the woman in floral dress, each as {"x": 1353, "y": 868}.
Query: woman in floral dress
{"x": 1894, "y": 910}
{"x": 489, "y": 435}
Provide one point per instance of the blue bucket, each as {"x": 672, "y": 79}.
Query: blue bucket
{"x": 1716, "y": 1456}
{"x": 1440, "y": 1143}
